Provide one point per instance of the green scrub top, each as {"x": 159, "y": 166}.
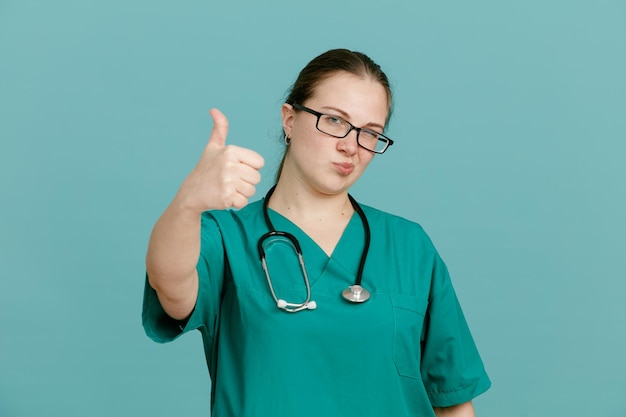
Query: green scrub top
{"x": 401, "y": 353}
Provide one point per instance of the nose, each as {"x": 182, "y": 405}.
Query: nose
{"x": 349, "y": 144}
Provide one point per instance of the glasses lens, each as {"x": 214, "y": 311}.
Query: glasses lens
{"x": 336, "y": 126}
{"x": 333, "y": 125}
{"x": 373, "y": 141}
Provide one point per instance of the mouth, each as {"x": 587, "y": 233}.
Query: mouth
{"x": 344, "y": 168}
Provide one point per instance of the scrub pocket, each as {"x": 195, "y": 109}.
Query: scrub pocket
{"x": 408, "y": 321}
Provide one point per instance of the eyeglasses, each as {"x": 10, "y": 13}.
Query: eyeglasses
{"x": 337, "y": 127}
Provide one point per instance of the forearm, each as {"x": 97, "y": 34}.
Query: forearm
{"x": 461, "y": 410}
{"x": 172, "y": 256}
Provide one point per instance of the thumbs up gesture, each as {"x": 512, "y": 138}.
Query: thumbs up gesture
{"x": 224, "y": 177}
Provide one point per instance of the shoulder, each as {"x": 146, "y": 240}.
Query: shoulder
{"x": 249, "y": 213}
{"x": 232, "y": 225}
{"x": 379, "y": 215}
{"x": 399, "y": 235}
{"x": 379, "y": 219}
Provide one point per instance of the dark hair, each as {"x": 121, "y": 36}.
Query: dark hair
{"x": 327, "y": 64}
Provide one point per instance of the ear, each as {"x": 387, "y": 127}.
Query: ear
{"x": 288, "y": 114}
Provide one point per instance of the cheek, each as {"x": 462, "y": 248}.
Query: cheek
{"x": 307, "y": 147}
{"x": 306, "y": 137}
{"x": 316, "y": 143}
{"x": 365, "y": 157}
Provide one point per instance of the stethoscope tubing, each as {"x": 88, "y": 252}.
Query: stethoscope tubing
{"x": 282, "y": 304}
{"x": 354, "y": 293}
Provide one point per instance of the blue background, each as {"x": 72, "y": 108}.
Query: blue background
{"x": 510, "y": 130}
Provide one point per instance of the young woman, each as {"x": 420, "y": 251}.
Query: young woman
{"x": 367, "y": 325}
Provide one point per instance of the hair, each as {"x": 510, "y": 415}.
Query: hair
{"x": 328, "y": 64}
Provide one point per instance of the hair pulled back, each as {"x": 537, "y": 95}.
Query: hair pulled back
{"x": 330, "y": 63}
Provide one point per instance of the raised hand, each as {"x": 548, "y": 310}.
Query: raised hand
{"x": 224, "y": 177}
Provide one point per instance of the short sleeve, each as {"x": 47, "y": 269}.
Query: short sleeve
{"x": 451, "y": 368}
{"x": 162, "y": 328}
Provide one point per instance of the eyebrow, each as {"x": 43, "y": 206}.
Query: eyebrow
{"x": 347, "y": 116}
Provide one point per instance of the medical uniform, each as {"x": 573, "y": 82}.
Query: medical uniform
{"x": 402, "y": 352}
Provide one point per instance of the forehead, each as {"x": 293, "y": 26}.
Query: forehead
{"x": 359, "y": 96}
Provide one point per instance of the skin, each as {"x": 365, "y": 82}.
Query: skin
{"x": 461, "y": 410}
{"x": 312, "y": 190}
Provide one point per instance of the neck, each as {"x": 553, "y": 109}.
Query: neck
{"x": 306, "y": 204}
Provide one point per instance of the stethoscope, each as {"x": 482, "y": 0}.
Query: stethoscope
{"x": 354, "y": 293}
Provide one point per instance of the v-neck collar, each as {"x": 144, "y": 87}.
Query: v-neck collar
{"x": 346, "y": 254}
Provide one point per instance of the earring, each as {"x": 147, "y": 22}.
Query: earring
{"x": 287, "y": 140}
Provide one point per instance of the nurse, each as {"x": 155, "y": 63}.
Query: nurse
{"x": 283, "y": 338}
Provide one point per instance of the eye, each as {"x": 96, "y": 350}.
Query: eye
{"x": 334, "y": 120}
{"x": 369, "y": 134}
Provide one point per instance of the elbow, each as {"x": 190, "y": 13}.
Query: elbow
{"x": 176, "y": 296}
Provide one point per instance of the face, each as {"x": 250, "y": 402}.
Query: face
{"x": 326, "y": 164}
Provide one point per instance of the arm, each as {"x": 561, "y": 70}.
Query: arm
{"x": 171, "y": 260}
{"x": 451, "y": 365}
{"x": 224, "y": 177}
{"x": 461, "y": 410}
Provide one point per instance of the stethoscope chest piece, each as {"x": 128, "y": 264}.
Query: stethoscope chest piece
{"x": 356, "y": 294}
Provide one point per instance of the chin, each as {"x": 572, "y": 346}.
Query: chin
{"x": 335, "y": 188}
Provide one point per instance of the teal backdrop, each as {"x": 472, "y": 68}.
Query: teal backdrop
{"x": 510, "y": 129}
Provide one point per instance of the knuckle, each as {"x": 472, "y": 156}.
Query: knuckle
{"x": 240, "y": 202}
{"x": 230, "y": 150}
{"x": 229, "y": 164}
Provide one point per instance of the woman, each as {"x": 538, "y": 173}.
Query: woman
{"x": 298, "y": 340}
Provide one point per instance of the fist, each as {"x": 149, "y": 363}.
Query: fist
{"x": 225, "y": 176}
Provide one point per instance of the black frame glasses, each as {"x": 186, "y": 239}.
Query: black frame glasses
{"x": 380, "y": 138}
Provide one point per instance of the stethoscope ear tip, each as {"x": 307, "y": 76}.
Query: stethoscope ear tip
{"x": 308, "y": 305}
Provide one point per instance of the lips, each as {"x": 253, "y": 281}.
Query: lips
{"x": 344, "y": 168}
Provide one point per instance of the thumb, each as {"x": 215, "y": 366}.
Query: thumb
{"x": 220, "y": 128}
